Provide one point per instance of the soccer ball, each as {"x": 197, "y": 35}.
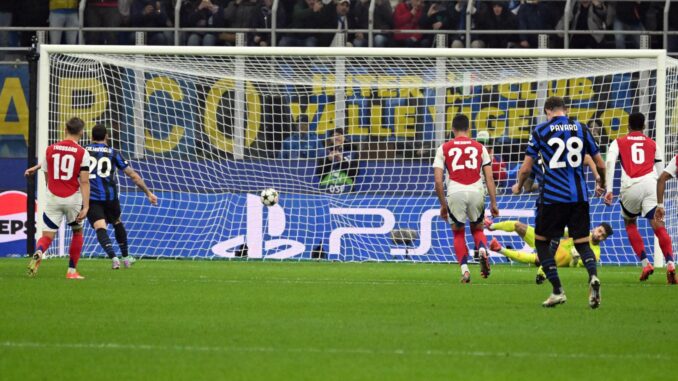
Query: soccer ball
{"x": 269, "y": 197}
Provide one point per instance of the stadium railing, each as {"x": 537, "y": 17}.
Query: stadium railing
{"x": 177, "y": 29}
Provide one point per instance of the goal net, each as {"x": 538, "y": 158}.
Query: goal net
{"x": 346, "y": 136}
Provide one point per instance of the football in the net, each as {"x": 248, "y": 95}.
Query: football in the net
{"x": 269, "y": 197}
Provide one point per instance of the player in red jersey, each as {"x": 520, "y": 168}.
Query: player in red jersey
{"x": 670, "y": 171}
{"x": 638, "y": 193}
{"x": 465, "y": 160}
{"x": 67, "y": 175}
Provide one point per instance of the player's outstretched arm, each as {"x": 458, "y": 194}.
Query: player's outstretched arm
{"x": 611, "y": 162}
{"x": 491, "y": 190}
{"x": 139, "y": 182}
{"x": 523, "y": 174}
{"x": 438, "y": 174}
{"x": 601, "y": 180}
{"x": 588, "y": 160}
{"x": 30, "y": 171}
{"x": 660, "y": 212}
{"x": 84, "y": 189}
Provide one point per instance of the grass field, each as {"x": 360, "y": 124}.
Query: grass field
{"x": 201, "y": 320}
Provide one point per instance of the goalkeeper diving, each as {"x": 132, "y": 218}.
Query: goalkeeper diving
{"x": 565, "y": 253}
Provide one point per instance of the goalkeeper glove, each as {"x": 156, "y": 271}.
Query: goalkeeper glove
{"x": 574, "y": 261}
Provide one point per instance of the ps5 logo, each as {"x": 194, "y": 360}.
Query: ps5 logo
{"x": 351, "y": 231}
{"x": 254, "y": 235}
{"x": 386, "y": 227}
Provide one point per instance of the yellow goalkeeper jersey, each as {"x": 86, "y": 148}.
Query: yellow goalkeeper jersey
{"x": 564, "y": 252}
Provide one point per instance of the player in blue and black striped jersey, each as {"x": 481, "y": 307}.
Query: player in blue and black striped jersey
{"x": 104, "y": 202}
{"x": 561, "y": 144}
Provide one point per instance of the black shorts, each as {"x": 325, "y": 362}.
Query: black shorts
{"x": 552, "y": 219}
{"x": 103, "y": 210}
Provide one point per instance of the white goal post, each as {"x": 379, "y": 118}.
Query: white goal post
{"x": 346, "y": 136}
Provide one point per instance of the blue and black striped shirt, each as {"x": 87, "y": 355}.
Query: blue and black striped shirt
{"x": 103, "y": 162}
{"x": 562, "y": 144}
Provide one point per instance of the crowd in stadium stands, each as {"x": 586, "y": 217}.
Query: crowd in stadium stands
{"x": 343, "y": 16}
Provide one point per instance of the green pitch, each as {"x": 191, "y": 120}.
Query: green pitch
{"x": 201, "y": 320}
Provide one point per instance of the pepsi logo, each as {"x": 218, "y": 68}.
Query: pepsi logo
{"x": 13, "y": 221}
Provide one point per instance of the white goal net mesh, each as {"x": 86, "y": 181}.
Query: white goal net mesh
{"x": 347, "y": 141}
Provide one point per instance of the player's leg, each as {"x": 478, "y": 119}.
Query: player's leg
{"x": 74, "y": 252}
{"x": 630, "y": 201}
{"x": 72, "y": 209}
{"x": 97, "y": 219}
{"x": 461, "y": 251}
{"x": 514, "y": 255}
{"x": 667, "y": 249}
{"x": 636, "y": 242}
{"x": 524, "y": 231}
{"x": 457, "y": 218}
{"x": 550, "y": 222}
{"x": 41, "y": 248}
{"x": 505, "y": 226}
{"x": 475, "y": 212}
{"x": 666, "y": 246}
{"x": 554, "y": 245}
{"x": 50, "y": 224}
{"x": 649, "y": 205}
{"x": 121, "y": 238}
{"x": 579, "y": 224}
{"x": 113, "y": 214}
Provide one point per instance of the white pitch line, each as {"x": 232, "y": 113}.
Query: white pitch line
{"x": 386, "y": 282}
{"x": 339, "y": 281}
{"x": 349, "y": 351}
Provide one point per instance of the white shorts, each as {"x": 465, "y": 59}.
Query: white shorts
{"x": 465, "y": 205}
{"x": 58, "y": 207}
{"x": 639, "y": 198}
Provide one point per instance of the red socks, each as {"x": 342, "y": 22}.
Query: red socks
{"x": 664, "y": 243}
{"x": 479, "y": 238}
{"x": 460, "y": 248}
{"x": 43, "y": 243}
{"x": 636, "y": 240}
{"x": 75, "y": 249}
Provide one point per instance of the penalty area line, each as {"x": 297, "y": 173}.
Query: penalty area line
{"x": 326, "y": 350}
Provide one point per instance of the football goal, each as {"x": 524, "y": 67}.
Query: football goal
{"x": 346, "y": 136}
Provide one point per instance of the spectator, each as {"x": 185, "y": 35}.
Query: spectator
{"x": 628, "y": 15}
{"x": 63, "y": 14}
{"x": 337, "y": 169}
{"x": 498, "y": 17}
{"x": 103, "y": 13}
{"x": 340, "y": 14}
{"x": 151, "y": 14}
{"x": 31, "y": 13}
{"x": 334, "y": 16}
{"x": 586, "y": 15}
{"x": 383, "y": 19}
{"x": 458, "y": 23}
{"x": 436, "y": 18}
{"x": 300, "y": 144}
{"x": 262, "y": 19}
{"x": 535, "y": 15}
{"x": 238, "y": 14}
{"x": 406, "y": 17}
{"x": 201, "y": 14}
{"x": 673, "y": 25}
{"x": 303, "y": 16}
{"x": 6, "y": 10}
{"x": 125, "y": 8}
